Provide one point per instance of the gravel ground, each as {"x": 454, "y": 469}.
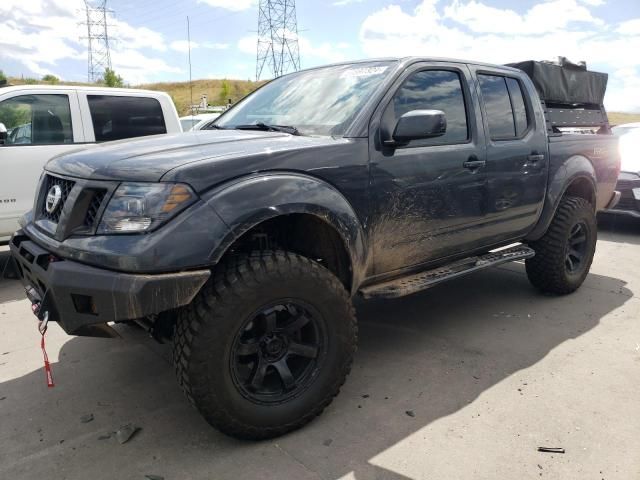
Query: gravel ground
{"x": 464, "y": 381}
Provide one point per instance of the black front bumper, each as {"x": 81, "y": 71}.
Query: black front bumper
{"x": 628, "y": 203}
{"x": 80, "y": 296}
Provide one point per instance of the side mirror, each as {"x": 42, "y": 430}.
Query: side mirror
{"x": 419, "y": 124}
{"x": 3, "y": 134}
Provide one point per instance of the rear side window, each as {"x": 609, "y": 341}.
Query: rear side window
{"x": 434, "y": 90}
{"x": 505, "y": 107}
{"x": 519, "y": 107}
{"x": 116, "y": 118}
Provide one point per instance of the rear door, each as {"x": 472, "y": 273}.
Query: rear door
{"x": 43, "y": 124}
{"x": 517, "y": 162}
{"x": 430, "y": 195}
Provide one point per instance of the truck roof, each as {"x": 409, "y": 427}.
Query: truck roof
{"x": 83, "y": 88}
{"x": 414, "y": 59}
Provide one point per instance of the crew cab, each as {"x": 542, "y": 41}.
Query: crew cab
{"x": 244, "y": 244}
{"x": 38, "y": 122}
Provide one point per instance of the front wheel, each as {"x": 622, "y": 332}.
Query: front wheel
{"x": 565, "y": 252}
{"x": 266, "y": 345}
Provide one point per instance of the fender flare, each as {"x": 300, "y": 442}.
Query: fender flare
{"x": 249, "y": 201}
{"x": 574, "y": 168}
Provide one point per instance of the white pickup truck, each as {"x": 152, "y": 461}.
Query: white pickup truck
{"x": 38, "y": 122}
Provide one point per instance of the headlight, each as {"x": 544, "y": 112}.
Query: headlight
{"x": 140, "y": 207}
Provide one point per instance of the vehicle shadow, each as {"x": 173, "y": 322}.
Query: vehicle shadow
{"x": 618, "y": 228}
{"x": 430, "y": 354}
{"x": 10, "y": 290}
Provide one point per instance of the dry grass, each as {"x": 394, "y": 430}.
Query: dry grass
{"x": 617, "y": 118}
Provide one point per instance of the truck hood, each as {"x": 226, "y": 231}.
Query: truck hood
{"x": 167, "y": 157}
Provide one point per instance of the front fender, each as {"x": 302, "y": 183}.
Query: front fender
{"x": 574, "y": 168}
{"x": 251, "y": 200}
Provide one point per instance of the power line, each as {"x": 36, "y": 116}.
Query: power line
{"x": 277, "y": 38}
{"x": 99, "y": 56}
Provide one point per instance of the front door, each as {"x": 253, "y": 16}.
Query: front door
{"x": 429, "y": 196}
{"x": 40, "y": 126}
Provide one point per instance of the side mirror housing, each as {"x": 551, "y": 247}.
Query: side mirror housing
{"x": 3, "y": 134}
{"x": 419, "y": 124}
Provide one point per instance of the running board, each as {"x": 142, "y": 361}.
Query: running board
{"x": 420, "y": 281}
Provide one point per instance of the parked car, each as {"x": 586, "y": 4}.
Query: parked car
{"x": 45, "y": 121}
{"x": 196, "y": 122}
{"x": 245, "y": 244}
{"x": 629, "y": 179}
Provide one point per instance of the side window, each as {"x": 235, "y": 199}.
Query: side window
{"x": 498, "y": 106}
{"x": 37, "y": 119}
{"x": 433, "y": 90}
{"x": 119, "y": 117}
{"x": 519, "y": 108}
{"x": 504, "y": 103}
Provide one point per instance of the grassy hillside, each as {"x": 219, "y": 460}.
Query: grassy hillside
{"x": 616, "y": 118}
{"x": 218, "y": 92}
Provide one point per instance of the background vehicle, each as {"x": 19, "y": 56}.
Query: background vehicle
{"x": 629, "y": 179}
{"x": 245, "y": 244}
{"x": 196, "y": 122}
{"x": 45, "y": 121}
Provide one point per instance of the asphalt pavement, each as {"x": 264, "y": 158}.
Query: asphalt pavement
{"x": 463, "y": 381}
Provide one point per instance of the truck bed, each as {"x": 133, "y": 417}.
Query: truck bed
{"x": 600, "y": 150}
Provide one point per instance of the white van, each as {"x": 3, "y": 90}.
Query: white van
{"x": 38, "y": 122}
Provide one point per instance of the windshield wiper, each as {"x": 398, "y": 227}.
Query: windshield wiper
{"x": 269, "y": 128}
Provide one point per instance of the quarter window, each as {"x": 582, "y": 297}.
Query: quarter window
{"x": 37, "y": 120}
{"x": 433, "y": 90}
{"x": 119, "y": 117}
{"x": 504, "y": 105}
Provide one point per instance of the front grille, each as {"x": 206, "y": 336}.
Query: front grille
{"x": 65, "y": 186}
{"x": 626, "y": 184}
{"x": 91, "y": 216}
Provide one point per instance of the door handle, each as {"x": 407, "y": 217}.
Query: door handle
{"x": 535, "y": 158}
{"x": 473, "y": 164}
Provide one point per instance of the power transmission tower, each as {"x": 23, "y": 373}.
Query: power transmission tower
{"x": 98, "y": 39}
{"x": 277, "y": 38}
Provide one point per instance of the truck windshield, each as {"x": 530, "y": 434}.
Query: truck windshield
{"x": 321, "y": 101}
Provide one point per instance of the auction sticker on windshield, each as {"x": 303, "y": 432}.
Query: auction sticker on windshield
{"x": 363, "y": 72}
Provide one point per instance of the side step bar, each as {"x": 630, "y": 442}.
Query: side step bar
{"x": 420, "y": 281}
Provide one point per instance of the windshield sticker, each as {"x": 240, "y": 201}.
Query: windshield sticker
{"x": 362, "y": 72}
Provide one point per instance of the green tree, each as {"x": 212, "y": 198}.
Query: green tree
{"x": 111, "y": 79}
{"x": 2, "y": 76}
{"x": 225, "y": 91}
{"x": 52, "y": 79}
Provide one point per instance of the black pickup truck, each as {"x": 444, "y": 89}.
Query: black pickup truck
{"x": 245, "y": 244}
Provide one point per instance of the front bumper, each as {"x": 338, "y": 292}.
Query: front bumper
{"x": 81, "y": 297}
{"x": 629, "y": 203}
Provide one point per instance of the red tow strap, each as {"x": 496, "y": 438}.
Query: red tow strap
{"x": 42, "y": 328}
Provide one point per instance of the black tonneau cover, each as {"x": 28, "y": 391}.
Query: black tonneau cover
{"x": 567, "y": 83}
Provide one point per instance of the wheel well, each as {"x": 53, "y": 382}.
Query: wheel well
{"x": 304, "y": 234}
{"x": 583, "y": 188}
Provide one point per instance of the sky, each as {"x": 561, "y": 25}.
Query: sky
{"x": 148, "y": 37}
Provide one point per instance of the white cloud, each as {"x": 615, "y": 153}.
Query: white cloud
{"x": 546, "y": 17}
{"x": 630, "y": 27}
{"x": 215, "y": 46}
{"x": 39, "y": 34}
{"x": 182, "y": 46}
{"x": 342, "y": 3}
{"x": 475, "y": 31}
{"x": 233, "y": 5}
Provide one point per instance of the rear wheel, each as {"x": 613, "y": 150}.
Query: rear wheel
{"x": 266, "y": 344}
{"x": 564, "y": 254}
